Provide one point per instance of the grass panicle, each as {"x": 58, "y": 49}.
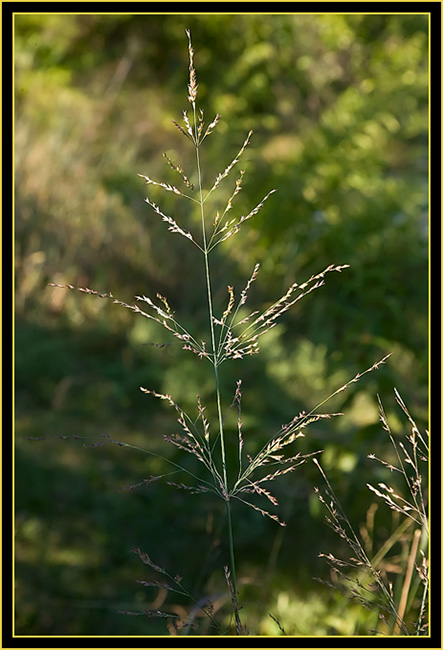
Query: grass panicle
{"x": 362, "y": 577}
{"x": 233, "y": 333}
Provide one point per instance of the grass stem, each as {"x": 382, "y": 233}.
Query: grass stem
{"x": 216, "y": 373}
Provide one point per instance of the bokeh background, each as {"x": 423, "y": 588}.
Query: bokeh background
{"x": 338, "y": 105}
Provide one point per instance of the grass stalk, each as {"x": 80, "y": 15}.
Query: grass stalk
{"x": 215, "y": 366}
{"x": 407, "y": 581}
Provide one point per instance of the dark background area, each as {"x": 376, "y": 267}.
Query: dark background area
{"x": 339, "y": 109}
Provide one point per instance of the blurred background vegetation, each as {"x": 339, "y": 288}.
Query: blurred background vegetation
{"x": 338, "y": 105}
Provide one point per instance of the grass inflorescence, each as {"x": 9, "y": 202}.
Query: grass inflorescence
{"x": 402, "y": 609}
{"x": 233, "y": 333}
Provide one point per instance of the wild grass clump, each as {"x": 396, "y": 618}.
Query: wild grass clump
{"x": 400, "y": 602}
{"x": 233, "y": 332}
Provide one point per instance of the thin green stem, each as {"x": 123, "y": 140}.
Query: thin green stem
{"x": 232, "y": 559}
{"x": 215, "y": 365}
{"x": 211, "y": 311}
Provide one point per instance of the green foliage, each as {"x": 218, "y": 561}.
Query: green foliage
{"x": 338, "y": 104}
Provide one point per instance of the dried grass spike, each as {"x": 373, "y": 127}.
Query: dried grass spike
{"x": 179, "y": 170}
{"x": 192, "y": 86}
{"x": 225, "y": 173}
